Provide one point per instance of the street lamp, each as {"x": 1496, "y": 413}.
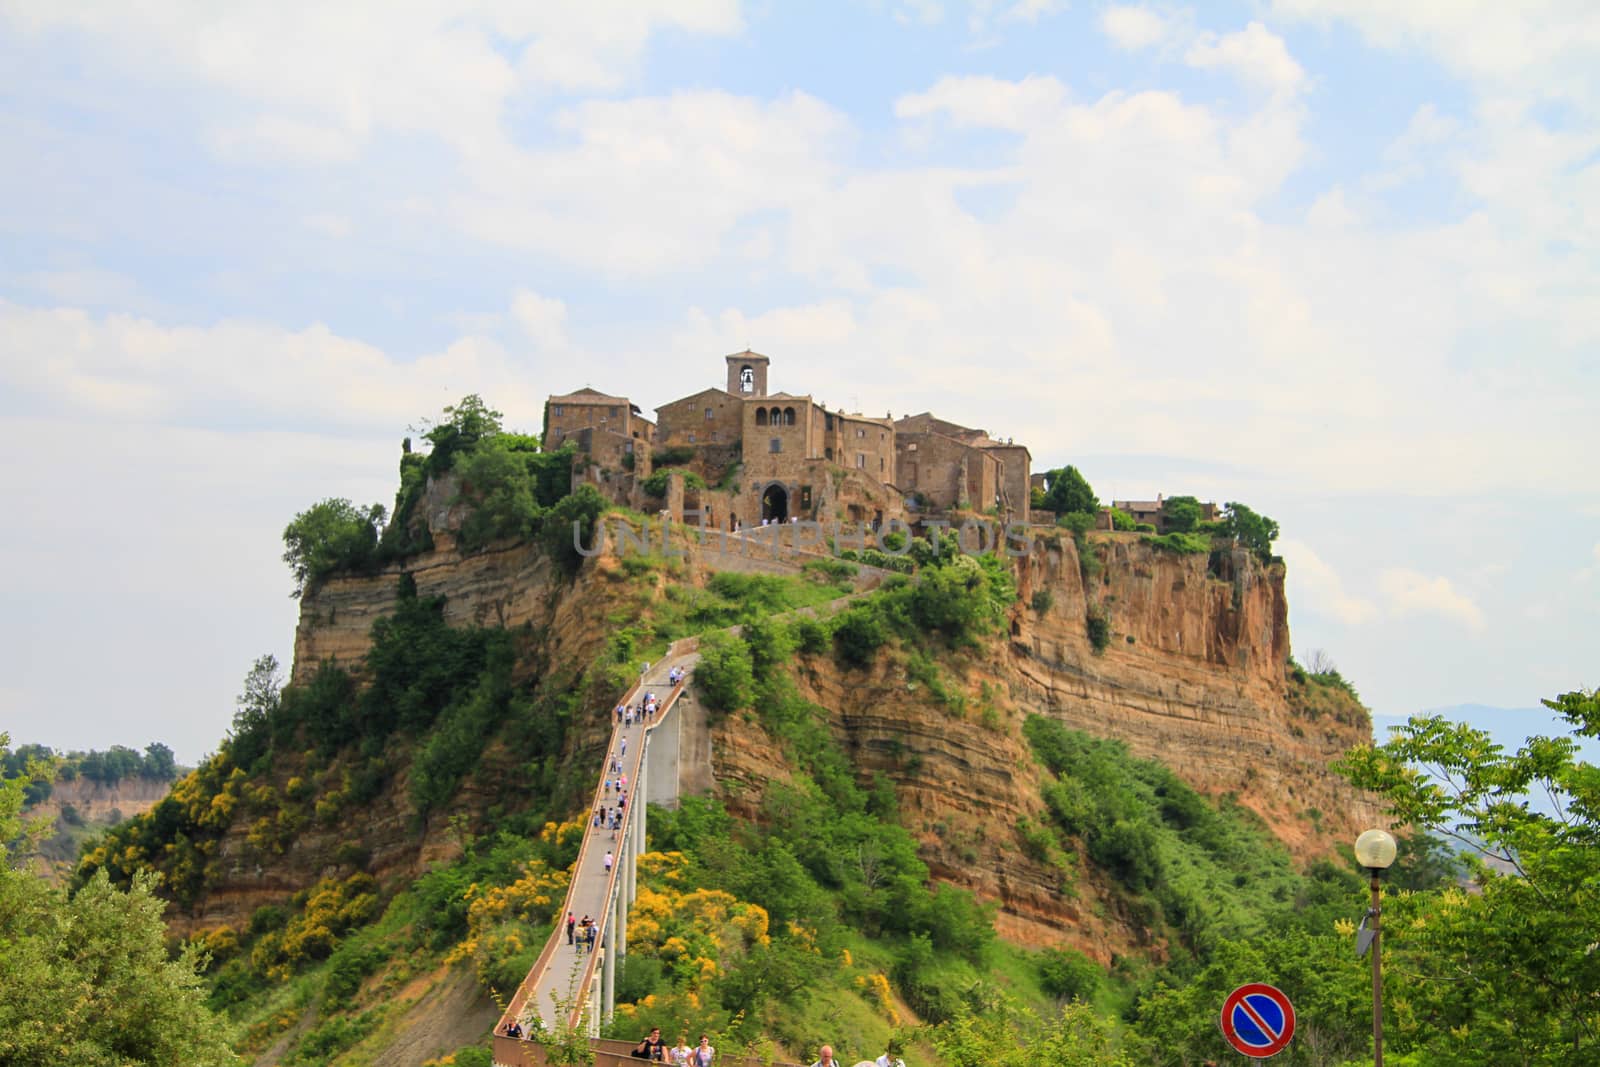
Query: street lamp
{"x": 1375, "y": 851}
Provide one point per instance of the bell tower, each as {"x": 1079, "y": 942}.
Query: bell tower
{"x": 747, "y": 374}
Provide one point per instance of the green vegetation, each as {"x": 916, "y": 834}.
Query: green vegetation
{"x": 1121, "y": 520}
{"x": 1255, "y": 532}
{"x": 512, "y": 490}
{"x": 1506, "y": 974}
{"x": 675, "y": 456}
{"x": 1180, "y": 514}
{"x": 1067, "y": 492}
{"x": 88, "y": 979}
{"x": 656, "y": 484}
{"x": 104, "y": 768}
{"x": 331, "y": 536}
{"x": 1206, "y": 875}
{"x": 725, "y": 675}
{"x": 1181, "y": 543}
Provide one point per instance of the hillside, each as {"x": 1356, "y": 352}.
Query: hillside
{"x": 394, "y": 817}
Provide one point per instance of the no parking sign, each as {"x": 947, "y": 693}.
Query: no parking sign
{"x": 1258, "y": 1020}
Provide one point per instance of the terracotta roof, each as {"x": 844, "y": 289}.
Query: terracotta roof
{"x": 746, "y": 354}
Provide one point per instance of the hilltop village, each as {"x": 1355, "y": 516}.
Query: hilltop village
{"x": 748, "y": 456}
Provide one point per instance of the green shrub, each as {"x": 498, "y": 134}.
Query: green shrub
{"x": 725, "y": 674}
{"x": 1121, "y": 520}
{"x": 1042, "y": 600}
{"x": 860, "y": 634}
{"x": 672, "y": 457}
{"x": 656, "y": 484}
{"x": 1181, "y": 543}
{"x": 1078, "y": 522}
{"x": 1099, "y": 627}
{"x": 1068, "y": 974}
{"x": 813, "y": 635}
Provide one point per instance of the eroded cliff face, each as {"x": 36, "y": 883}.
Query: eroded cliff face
{"x": 1192, "y": 674}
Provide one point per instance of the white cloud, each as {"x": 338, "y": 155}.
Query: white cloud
{"x": 543, "y": 319}
{"x": 1411, "y": 593}
{"x": 1542, "y": 50}
{"x": 241, "y": 373}
{"x": 1031, "y": 11}
{"x": 1254, "y": 54}
{"x": 1132, "y": 27}
{"x": 993, "y": 103}
{"x": 325, "y": 78}
{"x": 1324, "y": 590}
{"x": 919, "y": 13}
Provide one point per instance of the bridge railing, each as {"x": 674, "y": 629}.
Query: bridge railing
{"x": 528, "y": 989}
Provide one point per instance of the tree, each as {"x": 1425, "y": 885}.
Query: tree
{"x": 725, "y": 674}
{"x": 1508, "y": 974}
{"x": 1255, "y": 532}
{"x": 159, "y": 762}
{"x": 330, "y": 536}
{"x": 463, "y": 426}
{"x": 89, "y": 980}
{"x": 1180, "y": 514}
{"x": 1067, "y": 492}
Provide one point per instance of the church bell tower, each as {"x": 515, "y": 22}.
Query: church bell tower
{"x": 747, "y": 374}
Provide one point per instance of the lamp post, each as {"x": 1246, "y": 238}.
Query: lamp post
{"x": 1375, "y": 851}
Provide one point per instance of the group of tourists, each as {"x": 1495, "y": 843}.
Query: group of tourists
{"x": 610, "y": 818}
{"x": 581, "y": 932}
{"x": 703, "y": 1054}
{"x": 682, "y": 1055}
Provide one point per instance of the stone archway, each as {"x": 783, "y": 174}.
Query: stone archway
{"x": 775, "y": 503}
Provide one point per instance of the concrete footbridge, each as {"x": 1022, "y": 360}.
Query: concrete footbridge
{"x": 570, "y": 985}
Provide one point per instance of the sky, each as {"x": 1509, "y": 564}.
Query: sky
{"x": 1336, "y": 259}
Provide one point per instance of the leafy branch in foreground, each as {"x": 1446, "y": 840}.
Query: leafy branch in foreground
{"x": 1510, "y": 973}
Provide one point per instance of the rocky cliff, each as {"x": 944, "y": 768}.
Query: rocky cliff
{"x": 1192, "y": 673}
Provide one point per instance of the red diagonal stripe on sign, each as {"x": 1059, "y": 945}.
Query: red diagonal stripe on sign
{"x": 1255, "y": 1017}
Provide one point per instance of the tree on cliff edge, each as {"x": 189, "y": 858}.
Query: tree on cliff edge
{"x": 1069, "y": 493}
{"x": 330, "y": 536}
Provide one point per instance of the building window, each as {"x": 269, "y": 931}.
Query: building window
{"x": 827, "y": 421}
{"x": 691, "y": 439}
{"x": 827, "y": 453}
{"x": 861, "y": 460}
{"x": 912, "y": 447}
{"x": 775, "y": 445}
{"x": 560, "y": 410}
{"x": 761, "y": 416}
{"x": 708, "y": 414}
{"x": 788, "y": 416}
{"x": 615, "y": 412}
{"x": 805, "y": 497}
{"x": 860, "y": 432}
{"x": 883, "y": 464}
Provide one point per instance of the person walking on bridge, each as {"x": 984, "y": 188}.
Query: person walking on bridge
{"x": 572, "y": 925}
{"x": 608, "y": 861}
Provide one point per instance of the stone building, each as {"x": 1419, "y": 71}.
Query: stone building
{"x": 591, "y": 409}
{"x": 777, "y": 456}
{"x": 1153, "y": 511}
{"x": 946, "y": 465}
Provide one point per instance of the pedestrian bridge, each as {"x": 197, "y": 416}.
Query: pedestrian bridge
{"x": 569, "y": 986}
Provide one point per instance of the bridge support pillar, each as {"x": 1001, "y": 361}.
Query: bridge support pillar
{"x": 608, "y": 983}
{"x": 619, "y": 904}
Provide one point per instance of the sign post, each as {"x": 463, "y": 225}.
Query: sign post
{"x": 1258, "y": 1020}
